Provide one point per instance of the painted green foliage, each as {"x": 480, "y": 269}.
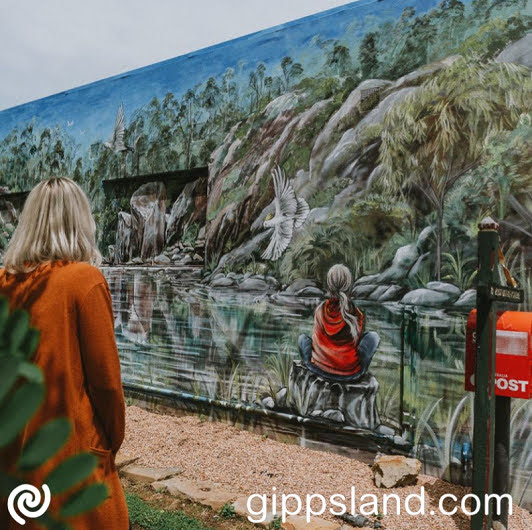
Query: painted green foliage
{"x": 426, "y": 146}
{"x": 166, "y": 132}
{"x": 432, "y": 139}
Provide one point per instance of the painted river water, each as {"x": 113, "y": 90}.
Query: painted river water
{"x": 179, "y": 336}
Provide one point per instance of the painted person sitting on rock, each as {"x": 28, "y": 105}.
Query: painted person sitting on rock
{"x": 339, "y": 349}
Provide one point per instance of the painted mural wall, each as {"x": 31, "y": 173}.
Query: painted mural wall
{"x": 375, "y": 135}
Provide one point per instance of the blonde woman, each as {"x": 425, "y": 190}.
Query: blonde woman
{"x": 50, "y": 271}
{"x": 339, "y": 349}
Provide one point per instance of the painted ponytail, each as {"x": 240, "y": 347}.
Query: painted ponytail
{"x": 339, "y": 282}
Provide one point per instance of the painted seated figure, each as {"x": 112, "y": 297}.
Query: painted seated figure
{"x": 339, "y": 350}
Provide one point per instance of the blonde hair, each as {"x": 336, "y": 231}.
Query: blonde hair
{"x": 339, "y": 282}
{"x": 56, "y": 224}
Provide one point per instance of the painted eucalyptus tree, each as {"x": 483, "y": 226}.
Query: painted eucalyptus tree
{"x": 439, "y": 132}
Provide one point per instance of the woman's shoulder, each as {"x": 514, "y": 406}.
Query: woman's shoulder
{"x": 78, "y": 276}
{"x": 82, "y": 269}
{"x": 71, "y": 279}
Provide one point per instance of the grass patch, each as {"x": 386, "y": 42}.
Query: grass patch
{"x": 151, "y": 518}
{"x": 228, "y": 511}
{"x": 150, "y": 509}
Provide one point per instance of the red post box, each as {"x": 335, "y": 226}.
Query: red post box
{"x": 513, "y": 347}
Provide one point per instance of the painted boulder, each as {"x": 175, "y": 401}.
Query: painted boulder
{"x": 353, "y": 404}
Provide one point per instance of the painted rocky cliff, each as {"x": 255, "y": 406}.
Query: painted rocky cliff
{"x": 330, "y": 149}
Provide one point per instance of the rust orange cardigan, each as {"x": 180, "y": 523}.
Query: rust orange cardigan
{"x": 70, "y": 304}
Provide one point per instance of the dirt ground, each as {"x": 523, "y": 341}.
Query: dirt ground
{"x": 251, "y": 464}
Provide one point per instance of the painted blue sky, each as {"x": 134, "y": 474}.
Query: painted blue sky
{"x": 87, "y": 113}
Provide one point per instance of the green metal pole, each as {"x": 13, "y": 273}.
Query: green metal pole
{"x": 501, "y": 471}
{"x": 484, "y": 417}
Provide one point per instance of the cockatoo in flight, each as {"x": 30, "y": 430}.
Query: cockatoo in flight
{"x": 290, "y": 213}
{"x": 116, "y": 142}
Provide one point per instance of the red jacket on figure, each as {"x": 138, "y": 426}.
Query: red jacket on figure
{"x": 334, "y": 347}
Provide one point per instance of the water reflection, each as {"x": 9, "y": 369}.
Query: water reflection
{"x": 176, "y": 334}
{"x": 173, "y": 333}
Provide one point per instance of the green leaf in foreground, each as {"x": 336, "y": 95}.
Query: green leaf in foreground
{"x": 52, "y": 524}
{"x": 228, "y": 511}
{"x": 70, "y": 472}
{"x": 85, "y": 500}
{"x": 30, "y": 372}
{"x": 18, "y": 410}
{"x": 17, "y": 327}
{"x": 4, "y": 313}
{"x": 30, "y": 342}
{"x": 8, "y": 484}
{"x": 9, "y": 368}
{"x": 44, "y": 444}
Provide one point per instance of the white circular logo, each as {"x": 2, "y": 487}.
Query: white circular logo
{"x": 28, "y": 499}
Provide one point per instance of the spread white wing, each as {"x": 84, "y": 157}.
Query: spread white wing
{"x": 281, "y": 237}
{"x": 117, "y": 141}
{"x": 286, "y": 206}
{"x": 302, "y": 212}
{"x": 285, "y": 198}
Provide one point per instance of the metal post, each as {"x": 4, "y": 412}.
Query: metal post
{"x": 402, "y": 379}
{"x": 501, "y": 471}
{"x": 484, "y": 418}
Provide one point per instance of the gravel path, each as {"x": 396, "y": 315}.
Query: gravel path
{"x": 251, "y": 464}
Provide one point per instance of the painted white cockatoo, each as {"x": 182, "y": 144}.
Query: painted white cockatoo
{"x": 116, "y": 142}
{"x": 290, "y": 213}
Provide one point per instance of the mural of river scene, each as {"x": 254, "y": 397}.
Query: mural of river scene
{"x": 178, "y": 336}
{"x": 226, "y": 183}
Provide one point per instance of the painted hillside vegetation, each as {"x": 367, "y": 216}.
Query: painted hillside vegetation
{"x": 400, "y": 127}
{"x": 376, "y": 135}
{"x": 397, "y": 172}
